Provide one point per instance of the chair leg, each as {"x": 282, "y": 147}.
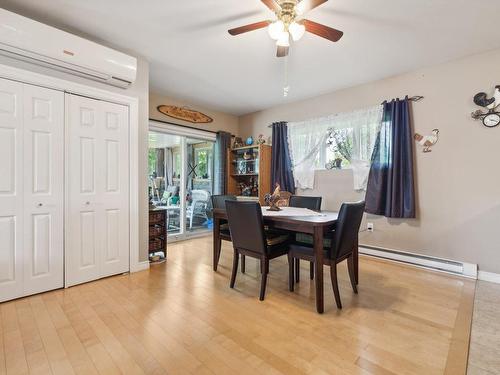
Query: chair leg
{"x": 243, "y": 263}
{"x": 235, "y": 268}
{"x": 219, "y": 250}
{"x": 335, "y": 285}
{"x": 297, "y": 270}
{"x": 263, "y": 282}
{"x": 311, "y": 270}
{"x": 352, "y": 274}
{"x": 291, "y": 262}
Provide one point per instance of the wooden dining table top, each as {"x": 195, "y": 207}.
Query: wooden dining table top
{"x": 299, "y": 223}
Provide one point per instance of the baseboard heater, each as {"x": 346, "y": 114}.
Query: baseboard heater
{"x": 424, "y": 261}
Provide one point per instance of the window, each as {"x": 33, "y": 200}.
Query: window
{"x": 344, "y": 140}
{"x": 176, "y": 154}
{"x": 202, "y": 160}
{"x": 345, "y": 144}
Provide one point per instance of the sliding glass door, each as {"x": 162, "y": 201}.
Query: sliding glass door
{"x": 199, "y": 185}
{"x": 181, "y": 181}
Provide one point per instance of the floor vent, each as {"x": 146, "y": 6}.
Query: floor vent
{"x": 424, "y": 261}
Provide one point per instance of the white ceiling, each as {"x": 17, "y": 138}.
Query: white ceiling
{"x": 192, "y": 57}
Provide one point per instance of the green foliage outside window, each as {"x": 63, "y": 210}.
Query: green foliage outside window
{"x": 152, "y": 160}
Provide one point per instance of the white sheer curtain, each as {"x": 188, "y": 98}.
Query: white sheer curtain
{"x": 307, "y": 140}
{"x": 363, "y": 127}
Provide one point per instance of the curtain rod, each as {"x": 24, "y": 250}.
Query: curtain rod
{"x": 186, "y": 126}
{"x": 415, "y": 98}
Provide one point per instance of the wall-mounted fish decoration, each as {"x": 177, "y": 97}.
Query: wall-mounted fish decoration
{"x": 185, "y": 114}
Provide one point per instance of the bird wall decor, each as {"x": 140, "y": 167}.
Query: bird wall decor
{"x": 490, "y": 117}
{"x": 427, "y": 141}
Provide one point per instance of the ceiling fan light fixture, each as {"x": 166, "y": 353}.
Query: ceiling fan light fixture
{"x": 275, "y": 29}
{"x": 284, "y": 39}
{"x": 296, "y": 30}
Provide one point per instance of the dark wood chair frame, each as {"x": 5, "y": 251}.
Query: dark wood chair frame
{"x": 216, "y": 203}
{"x": 313, "y": 203}
{"x": 344, "y": 247}
{"x": 264, "y": 254}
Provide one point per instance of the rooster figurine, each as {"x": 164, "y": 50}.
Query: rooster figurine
{"x": 482, "y": 100}
{"x": 427, "y": 141}
{"x": 272, "y": 199}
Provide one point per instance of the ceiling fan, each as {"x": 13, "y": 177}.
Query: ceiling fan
{"x": 290, "y": 23}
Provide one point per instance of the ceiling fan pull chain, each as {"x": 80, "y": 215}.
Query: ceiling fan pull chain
{"x": 286, "y": 86}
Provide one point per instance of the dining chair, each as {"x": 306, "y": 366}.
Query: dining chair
{"x": 250, "y": 239}
{"x": 312, "y": 203}
{"x": 344, "y": 240}
{"x": 219, "y": 201}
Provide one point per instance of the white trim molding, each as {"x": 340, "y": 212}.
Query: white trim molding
{"x": 181, "y": 130}
{"x": 30, "y": 77}
{"x": 140, "y": 266}
{"x": 489, "y": 276}
{"x": 464, "y": 269}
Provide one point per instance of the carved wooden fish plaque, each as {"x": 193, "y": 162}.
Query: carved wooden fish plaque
{"x": 185, "y": 114}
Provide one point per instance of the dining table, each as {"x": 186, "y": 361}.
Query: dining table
{"x": 293, "y": 219}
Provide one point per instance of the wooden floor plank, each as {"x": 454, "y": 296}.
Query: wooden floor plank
{"x": 54, "y": 348}
{"x": 182, "y": 318}
{"x": 15, "y": 356}
{"x": 36, "y": 357}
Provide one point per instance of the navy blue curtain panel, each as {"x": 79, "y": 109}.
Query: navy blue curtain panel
{"x": 222, "y": 144}
{"x": 281, "y": 164}
{"x": 390, "y": 191}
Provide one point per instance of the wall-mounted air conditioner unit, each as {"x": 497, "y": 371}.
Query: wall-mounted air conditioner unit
{"x": 25, "y": 39}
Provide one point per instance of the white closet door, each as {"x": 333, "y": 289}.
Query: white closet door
{"x": 43, "y": 189}
{"x": 115, "y": 190}
{"x": 97, "y": 229}
{"x": 11, "y": 190}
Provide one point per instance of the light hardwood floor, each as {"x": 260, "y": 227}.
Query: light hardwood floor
{"x": 484, "y": 356}
{"x": 182, "y": 318}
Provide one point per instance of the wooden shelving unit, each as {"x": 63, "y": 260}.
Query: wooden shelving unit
{"x": 255, "y": 171}
{"x": 158, "y": 231}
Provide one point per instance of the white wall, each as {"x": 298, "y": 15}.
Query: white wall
{"x": 458, "y": 183}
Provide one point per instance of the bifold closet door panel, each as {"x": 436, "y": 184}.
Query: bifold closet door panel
{"x": 97, "y": 229}
{"x": 11, "y": 189}
{"x": 115, "y": 189}
{"x": 43, "y": 185}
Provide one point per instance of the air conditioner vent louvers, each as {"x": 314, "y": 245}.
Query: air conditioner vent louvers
{"x": 25, "y": 39}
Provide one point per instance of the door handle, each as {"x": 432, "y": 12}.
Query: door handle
{"x": 39, "y": 205}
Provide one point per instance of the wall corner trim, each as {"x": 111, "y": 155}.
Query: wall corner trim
{"x": 140, "y": 266}
{"x": 489, "y": 276}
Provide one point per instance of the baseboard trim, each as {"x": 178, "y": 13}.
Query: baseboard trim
{"x": 468, "y": 270}
{"x": 140, "y": 266}
{"x": 489, "y": 276}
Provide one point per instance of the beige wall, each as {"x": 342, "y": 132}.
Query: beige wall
{"x": 222, "y": 121}
{"x": 458, "y": 183}
{"x": 139, "y": 89}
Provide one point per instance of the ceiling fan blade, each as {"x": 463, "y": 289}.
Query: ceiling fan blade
{"x": 322, "y": 30}
{"x": 272, "y": 4}
{"x": 307, "y": 5}
{"x": 282, "y": 51}
{"x": 250, "y": 27}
